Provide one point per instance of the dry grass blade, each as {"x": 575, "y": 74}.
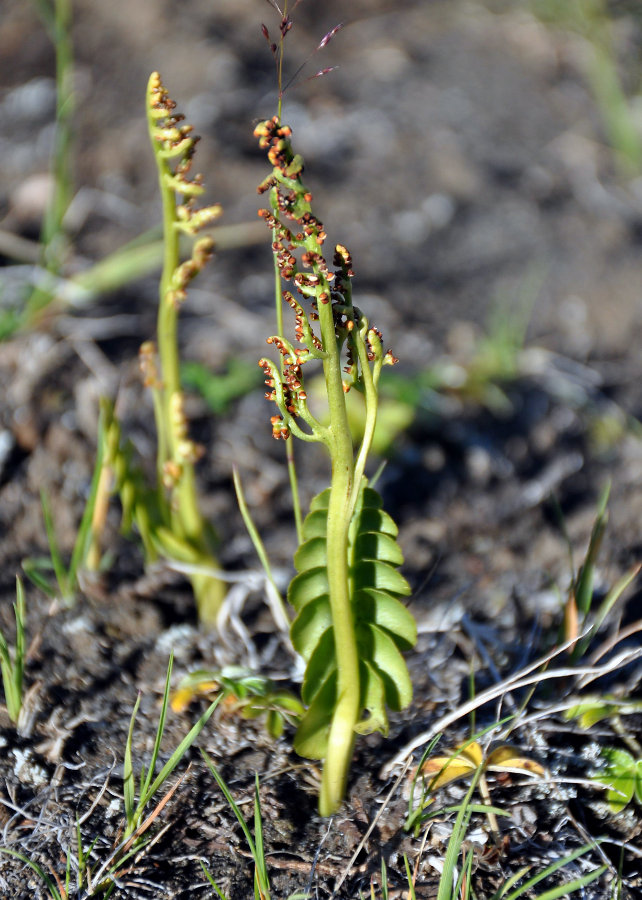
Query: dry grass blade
{"x": 526, "y": 676}
{"x": 142, "y": 828}
{"x": 124, "y": 850}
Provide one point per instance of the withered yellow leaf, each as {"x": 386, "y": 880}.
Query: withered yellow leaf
{"x": 465, "y": 760}
{"x": 183, "y": 696}
{"x": 460, "y": 763}
{"x": 507, "y": 758}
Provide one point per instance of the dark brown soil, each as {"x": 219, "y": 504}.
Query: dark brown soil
{"x": 458, "y": 152}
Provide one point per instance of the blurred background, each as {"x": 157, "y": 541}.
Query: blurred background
{"x": 465, "y": 151}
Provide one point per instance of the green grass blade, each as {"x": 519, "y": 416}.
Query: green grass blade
{"x": 550, "y": 870}
{"x": 20, "y": 613}
{"x": 562, "y": 890}
{"x": 465, "y": 873}
{"x": 181, "y": 750}
{"x": 32, "y": 568}
{"x": 261, "y": 866}
{"x": 411, "y": 884}
{"x": 480, "y": 808}
{"x": 384, "y": 880}
{"x": 605, "y": 608}
{"x": 82, "y": 856}
{"x": 212, "y": 882}
{"x": 159, "y": 735}
{"x": 84, "y": 536}
{"x": 414, "y": 814}
{"x": 512, "y": 881}
{"x": 51, "y": 887}
{"x": 59, "y": 569}
{"x": 128, "y": 771}
{"x": 455, "y": 842}
{"x": 256, "y": 539}
{"x": 12, "y": 664}
{"x": 68, "y": 874}
{"x": 6, "y": 665}
{"x": 584, "y": 583}
{"x": 233, "y": 805}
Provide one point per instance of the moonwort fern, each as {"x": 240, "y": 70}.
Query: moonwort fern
{"x": 351, "y": 625}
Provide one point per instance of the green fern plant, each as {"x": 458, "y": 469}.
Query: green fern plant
{"x": 351, "y": 626}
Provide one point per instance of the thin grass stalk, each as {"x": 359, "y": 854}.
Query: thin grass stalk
{"x": 255, "y": 537}
{"x": 219, "y": 892}
{"x": 57, "y": 18}
{"x": 62, "y": 159}
{"x": 411, "y": 881}
{"x": 60, "y": 572}
{"x": 604, "y": 609}
{"x": 20, "y": 613}
{"x": 256, "y": 847}
{"x": 145, "y": 785}
{"x": 129, "y": 791}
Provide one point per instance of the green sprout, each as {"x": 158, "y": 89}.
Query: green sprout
{"x": 623, "y": 775}
{"x": 12, "y": 659}
{"x": 350, "y": 625}
{"x": 242, "y": 691}
{"x": 150, "y": 782}
{"x": 583, "y": 617}
{"x": 256, "y": 845}
{"x": 138, "y": 796}
{"x": 622, "y": 772}
{"x": 257, "y": 850}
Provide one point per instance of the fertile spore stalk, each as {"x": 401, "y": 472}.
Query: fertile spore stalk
{"x": 350, "y": 625}
{"x": 183, "y": 533}
{"x": 277, "y": 49}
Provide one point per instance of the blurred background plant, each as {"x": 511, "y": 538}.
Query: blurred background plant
{"x": 618, "y": 93}
{"x": 50, "y": 279}
{"x": 56, "y": 16}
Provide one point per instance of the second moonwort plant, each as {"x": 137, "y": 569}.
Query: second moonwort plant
{"x": 167, "y": 515}
{"x": 350, "y": 624}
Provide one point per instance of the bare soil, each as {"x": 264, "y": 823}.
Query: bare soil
{"x": 459, "y": 154}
